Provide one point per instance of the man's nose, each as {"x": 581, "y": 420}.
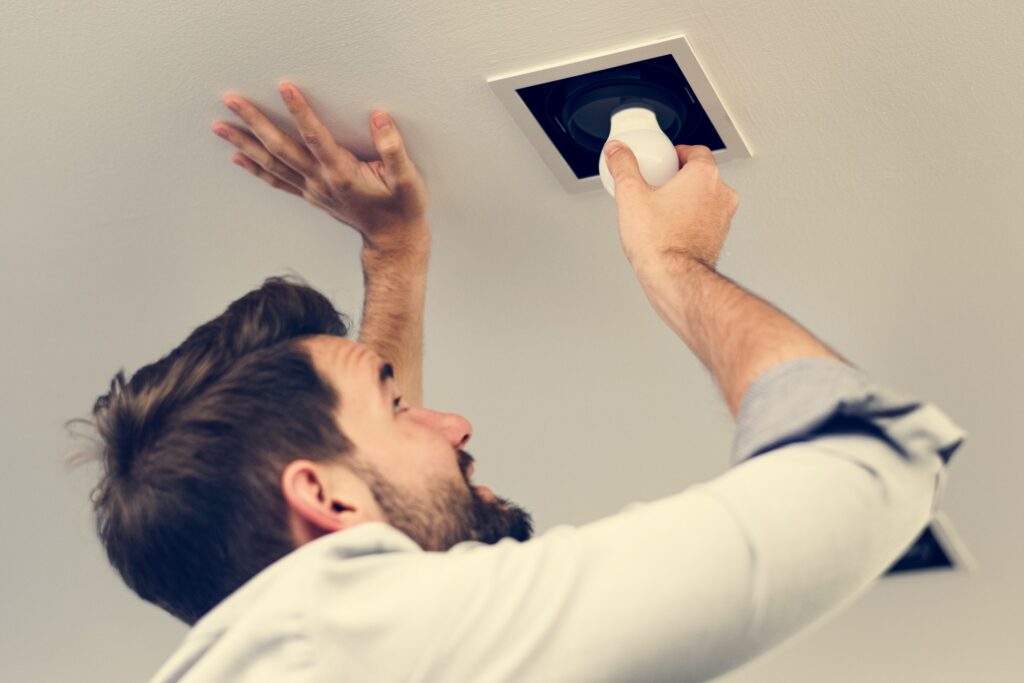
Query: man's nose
{"x": 460, "y": 429}
{"x": 455, "y": 428}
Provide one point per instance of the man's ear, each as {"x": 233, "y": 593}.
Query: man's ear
{"x": 315, "y": 509}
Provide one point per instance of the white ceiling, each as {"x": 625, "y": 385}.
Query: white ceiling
{"x": 880, "y": 209}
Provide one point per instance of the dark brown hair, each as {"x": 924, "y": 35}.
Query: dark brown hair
{"x": 189, "y": 504}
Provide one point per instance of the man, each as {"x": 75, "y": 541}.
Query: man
{"x": 282, "y": 489}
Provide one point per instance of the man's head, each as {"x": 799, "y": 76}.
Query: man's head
{"x": 264, "y": 430}
{"x": 407, "y": 468}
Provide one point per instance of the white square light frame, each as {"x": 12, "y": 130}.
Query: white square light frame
{"x": 505, "y": 86}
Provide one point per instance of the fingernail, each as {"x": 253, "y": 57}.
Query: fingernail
{"x": 613, "y": 147}
{"x": 286, "y": 93}
{"x": 232, "y": 105}
{"x": 380, "y": 120}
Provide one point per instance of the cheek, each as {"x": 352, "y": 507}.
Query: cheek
{"x": 426, "y": 466}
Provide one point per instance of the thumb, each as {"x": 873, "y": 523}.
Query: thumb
{"x": 623, "y": 166}
{"x": 390, "y": 147}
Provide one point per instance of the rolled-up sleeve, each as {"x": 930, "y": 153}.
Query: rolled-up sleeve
{"x": 797, "y": 399}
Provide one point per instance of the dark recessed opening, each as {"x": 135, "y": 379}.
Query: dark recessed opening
{"x": 925, "y": 553}
{"x": 576, "y": 112}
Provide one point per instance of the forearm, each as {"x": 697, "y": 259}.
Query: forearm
{"x": 395, "y": 294}
{"x": 736, "y": 334}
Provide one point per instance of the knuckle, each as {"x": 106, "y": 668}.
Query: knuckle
{"x": 309, "y": 194}
{"x": 339, "y": 183}
{"x": 734, "y": 200}
{"x": 702, "y": 153}
{"x": 310, "y": 138}
{"x": 274, "y": 143}
{"x": 704, "y": 160}
{"x": 629, "y": 184}
{"x": 281, "y": 171}
{"x": 269, "y": 162}
{"x": 705, "y": 156}
{"x": 316, "y": 187}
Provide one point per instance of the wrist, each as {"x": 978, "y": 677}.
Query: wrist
{"x": 668, "y": 265}
{"x": 412, "y": 246}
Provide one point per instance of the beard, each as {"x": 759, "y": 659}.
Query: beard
{"x": 438, "y": 520}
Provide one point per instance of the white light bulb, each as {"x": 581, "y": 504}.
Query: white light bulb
{"x": 637, "y": 127}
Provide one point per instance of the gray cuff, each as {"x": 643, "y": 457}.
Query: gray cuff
{"x": 801, "y": 398}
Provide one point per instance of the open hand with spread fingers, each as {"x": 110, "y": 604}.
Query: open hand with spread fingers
{"x": 385, "y": 201}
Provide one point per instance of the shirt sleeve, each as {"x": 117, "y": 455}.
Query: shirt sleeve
{"x": 690, "y": 586}
{"x": 797, "y": 399}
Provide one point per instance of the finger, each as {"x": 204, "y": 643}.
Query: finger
{"x": 694, "y": 152}
{"x": 277, "y": 143}
{"x": 254, "y": 168}
{"x": 254, "y": 149}
{"x": 315, "y": 134}
{"x": 390, "y": 146}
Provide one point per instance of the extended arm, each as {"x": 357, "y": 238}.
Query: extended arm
{"x": 392, "y": 324}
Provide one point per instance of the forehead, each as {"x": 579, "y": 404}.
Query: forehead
{"x": 329, "y": 351}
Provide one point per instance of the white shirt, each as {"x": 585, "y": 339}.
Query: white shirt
{"x": 684, "y": 588}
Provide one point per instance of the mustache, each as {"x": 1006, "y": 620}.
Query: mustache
{"x": 465, "y": 460}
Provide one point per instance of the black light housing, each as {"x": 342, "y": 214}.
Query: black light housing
{"x": 576, "y": 112}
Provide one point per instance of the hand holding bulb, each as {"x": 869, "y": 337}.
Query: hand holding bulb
{"x": 671, "y": 200}
{"x": 637, "y": 127}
